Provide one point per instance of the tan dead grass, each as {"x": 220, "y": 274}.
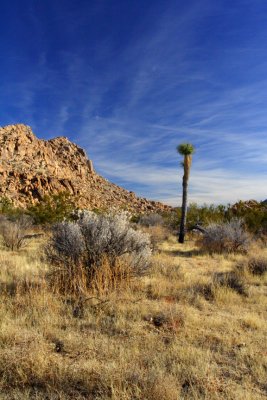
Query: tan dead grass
{"x": 158, "y": 337}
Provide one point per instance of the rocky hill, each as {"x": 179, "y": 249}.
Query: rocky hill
{"x": 31, "y": 168}
{"x": 248, "y": 205}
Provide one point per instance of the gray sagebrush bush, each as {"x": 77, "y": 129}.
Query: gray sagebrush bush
{"x": 80, "y": 247}
{"x": 66, "y": 244}
{"x": 113, "y": 235}
{"x": 225, "y": 237}
{"x": 14, "y": 232}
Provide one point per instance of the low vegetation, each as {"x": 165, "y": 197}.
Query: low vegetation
{"x": 53, "y": 208}
{"x": 78, "y": 250}
{"x": 152, "y": 219}
{"x": 254, "y": 215}
{"x": 225, "y": 237}
{"x": 14, "y": 231}
{"x": 88, "y": 313}
{"x": 255, "y": 265}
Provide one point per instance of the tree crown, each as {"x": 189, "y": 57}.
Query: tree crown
{"x": 185, "y": 149}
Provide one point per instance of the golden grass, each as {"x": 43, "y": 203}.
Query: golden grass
{"x": 158, "y": 337}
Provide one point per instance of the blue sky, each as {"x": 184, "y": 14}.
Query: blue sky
{"x": 130, "y": 80}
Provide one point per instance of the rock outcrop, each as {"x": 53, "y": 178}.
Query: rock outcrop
{"x": 248, "y": 205}
{"x": 31, "y": 168}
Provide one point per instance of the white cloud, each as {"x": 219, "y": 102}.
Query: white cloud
{"x": 205, "y": 186}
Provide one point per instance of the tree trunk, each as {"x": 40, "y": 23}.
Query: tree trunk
{"x": 184, "y": 209}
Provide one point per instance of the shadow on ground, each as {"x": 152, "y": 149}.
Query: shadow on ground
{"x": 182, "y": 253}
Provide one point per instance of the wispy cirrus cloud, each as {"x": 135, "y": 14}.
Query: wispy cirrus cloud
{"x": 205, "y": 184}
{"x": 132, "y": 90}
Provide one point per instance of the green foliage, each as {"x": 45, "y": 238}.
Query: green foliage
{"x": 6, "y": 205}
{"x": 201, "y": 215}
{"x": 185, "y": 149}
{"x": 254, "y": 217}
{"x": 172, "y": 218}
{"x": 7, "y": 208}
{"x": 52, "y": 209}
{"x": 100, "y": 211}
{"x": 135, "y": 218}
{"x": 206, "y": 214}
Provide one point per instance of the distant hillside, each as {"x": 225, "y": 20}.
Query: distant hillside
{"x": 31, "y": 168}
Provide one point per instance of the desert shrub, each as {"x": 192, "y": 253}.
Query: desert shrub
{"x": 66, "y": 244}
{"x": 233, "y": 280}
{"x": 196, "y": 215}
{"x": 14, "y": 231}
{"x": 77, "y": 249}
{"x": 157, "y": 235}
{"x": 256, "y": 220}
{"x": 205, "y": 214}
{"x": 52, "y": 209}
{"x": 225, "y": 237}
{"x": 6, "y": 205}
{"x": 7, "y": 208}
{"x": 172, "y": 218}
{"x": 253, "y": 213}
{"x": 256, "y": 265}
{"x": 152, "y": 219}
{"x": 113, "y": 236}
{"x": 206, "y": 290}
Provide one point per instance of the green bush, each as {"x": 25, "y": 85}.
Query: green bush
{"x": 6, "y": 205}
{"x": 52, "y": 209}
{"x": 7, "y": 208}
{"x": 254, "y": 215}
{"x": 201, "y": 215}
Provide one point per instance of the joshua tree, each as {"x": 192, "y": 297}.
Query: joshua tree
{"x": 186, "y": 150}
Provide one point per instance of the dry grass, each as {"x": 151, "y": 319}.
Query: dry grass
{"x": 157, "y": 233}
{"x": 170, "y": 335}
